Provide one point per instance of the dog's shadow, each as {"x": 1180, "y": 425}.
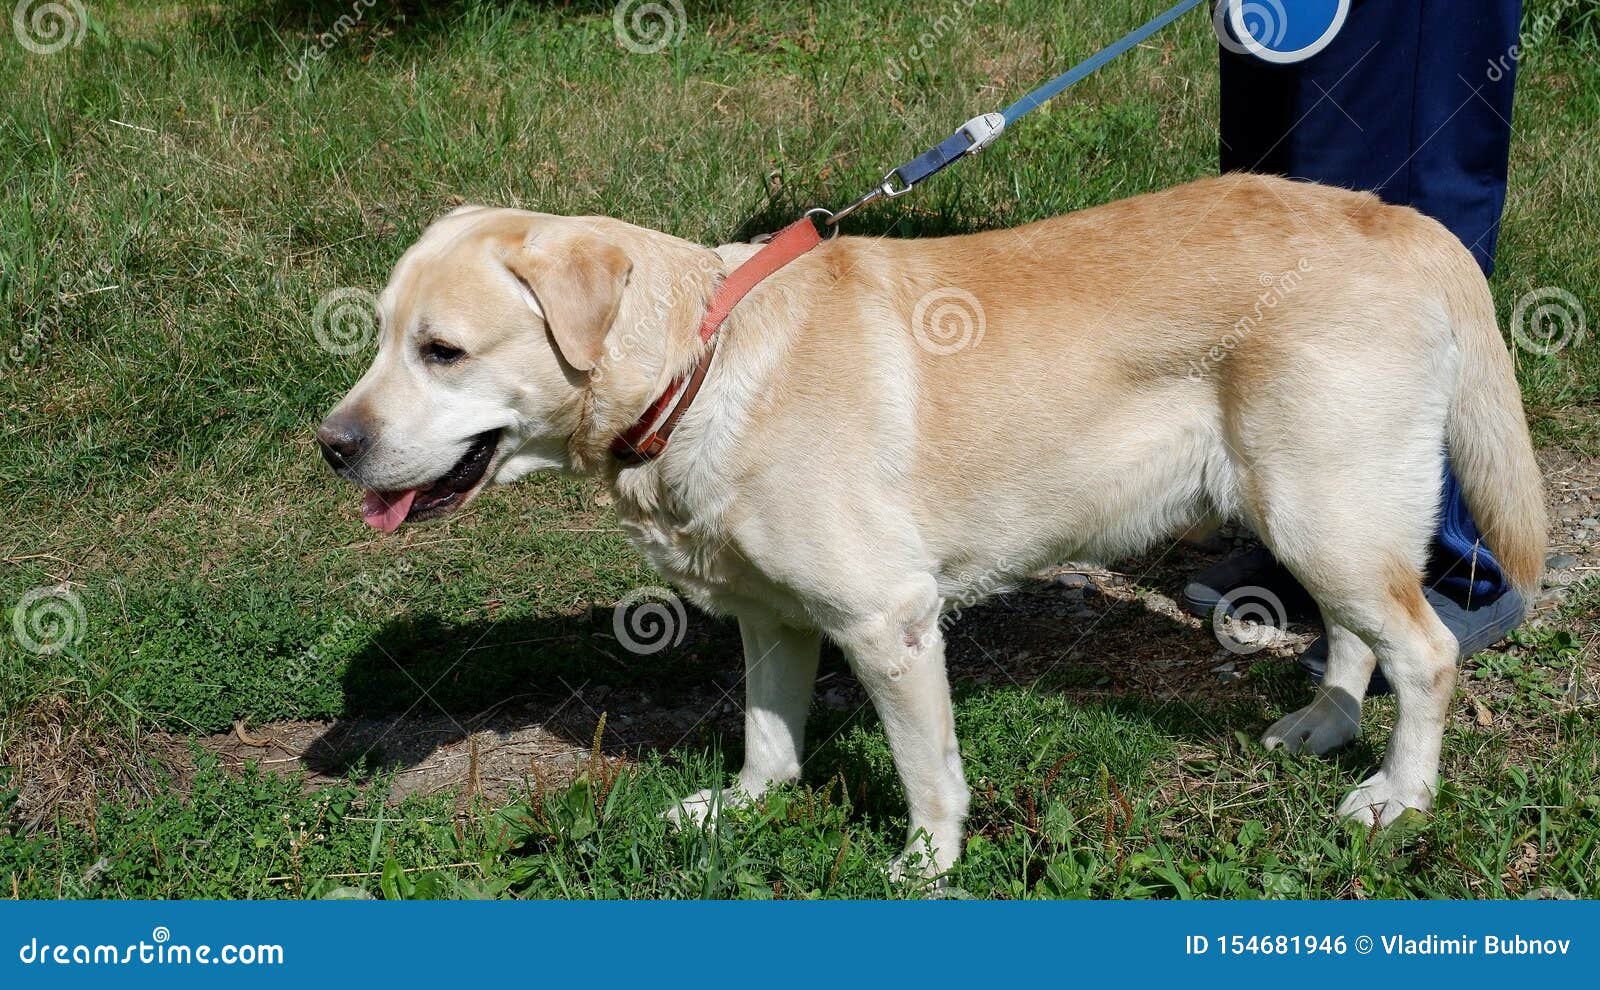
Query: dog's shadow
{"x": 424, "y": 683}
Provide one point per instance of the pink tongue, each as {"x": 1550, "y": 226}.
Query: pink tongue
{"x": 387, "y": 510}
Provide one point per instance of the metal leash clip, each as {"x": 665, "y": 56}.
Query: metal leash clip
{"x": 884, "y": 190}
{"x": 977, "y": 134}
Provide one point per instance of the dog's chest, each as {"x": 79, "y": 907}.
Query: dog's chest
{"x": 698, "y": 558}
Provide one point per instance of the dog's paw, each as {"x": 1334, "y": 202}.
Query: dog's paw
{"x": 1320, "y": 727}
{"x": 1381, "y": 801}
{"x": 701, "y": 809}
{"x": 922, "y": 861}
{"x": 913, "y": 865}
{"x": 908, "y": 866}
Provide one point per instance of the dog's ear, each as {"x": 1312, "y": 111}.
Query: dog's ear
{"x": 575, "y": 280}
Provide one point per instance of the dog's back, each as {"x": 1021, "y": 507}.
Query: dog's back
{"x": 1088, "y": 384}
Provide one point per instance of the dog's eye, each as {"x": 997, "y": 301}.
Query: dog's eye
{"x": 438, "y": 352}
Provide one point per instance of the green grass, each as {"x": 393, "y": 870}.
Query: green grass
{"x": 1071, "y": 799}
{"x": 175, "y": 206}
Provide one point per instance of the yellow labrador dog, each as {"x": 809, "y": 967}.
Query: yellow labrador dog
{"x": 892, "y": 427}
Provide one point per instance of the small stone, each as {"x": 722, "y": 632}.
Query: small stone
{"x": 1482, "y": 714}
{"x": 1075, "y": 580}
{"x": 1590, "y": 522}
{"x": 1560, "y": 561}
{"x": 1581, "y": 692}
{"x": 1570, "y": 510}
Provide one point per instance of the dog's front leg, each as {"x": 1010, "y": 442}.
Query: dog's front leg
{"x": 780, "y": 672}
{"x": 898, "y": 655}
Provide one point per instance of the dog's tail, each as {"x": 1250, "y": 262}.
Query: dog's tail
{"x": 1487, "y": 433}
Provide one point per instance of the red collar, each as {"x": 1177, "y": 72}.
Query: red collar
{"x": 640, "y": 443}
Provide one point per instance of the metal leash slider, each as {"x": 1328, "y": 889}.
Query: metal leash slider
{"x": 980, "y": 132}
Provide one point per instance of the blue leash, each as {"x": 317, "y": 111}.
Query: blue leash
{"x": 982, "y": 130}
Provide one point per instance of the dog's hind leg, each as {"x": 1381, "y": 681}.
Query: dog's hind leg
{"x": 898, "y": 655}
{"x": 780, "y": 672}
{"x": 1363, "y": 566}
{"x": 1418, "y": 656}
{"x": 1348, "y": 502}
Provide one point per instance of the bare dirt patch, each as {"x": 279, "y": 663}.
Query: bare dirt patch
{"x": 534, "y": 743}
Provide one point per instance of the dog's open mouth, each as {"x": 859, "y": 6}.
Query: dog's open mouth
{"x": 387, "y": 510}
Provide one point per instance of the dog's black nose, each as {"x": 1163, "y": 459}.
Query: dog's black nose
{"x": 343, "y": 442}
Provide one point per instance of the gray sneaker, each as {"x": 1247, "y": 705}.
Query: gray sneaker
{"x": 1255, "y": 571}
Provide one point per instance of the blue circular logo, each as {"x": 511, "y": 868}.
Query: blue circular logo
{"x": 1280, "y": 31}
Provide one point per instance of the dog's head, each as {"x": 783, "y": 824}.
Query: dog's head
{"x": 503, "y": 336}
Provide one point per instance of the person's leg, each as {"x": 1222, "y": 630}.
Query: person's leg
{"x": 1461, "y": 127}
{"x": 1342, "y": 117}
{"x": 1413, "y": 101}
{"x": 1457, "y": 175}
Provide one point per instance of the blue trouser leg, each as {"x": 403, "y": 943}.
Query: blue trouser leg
{"x": 1413, "y": 101}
